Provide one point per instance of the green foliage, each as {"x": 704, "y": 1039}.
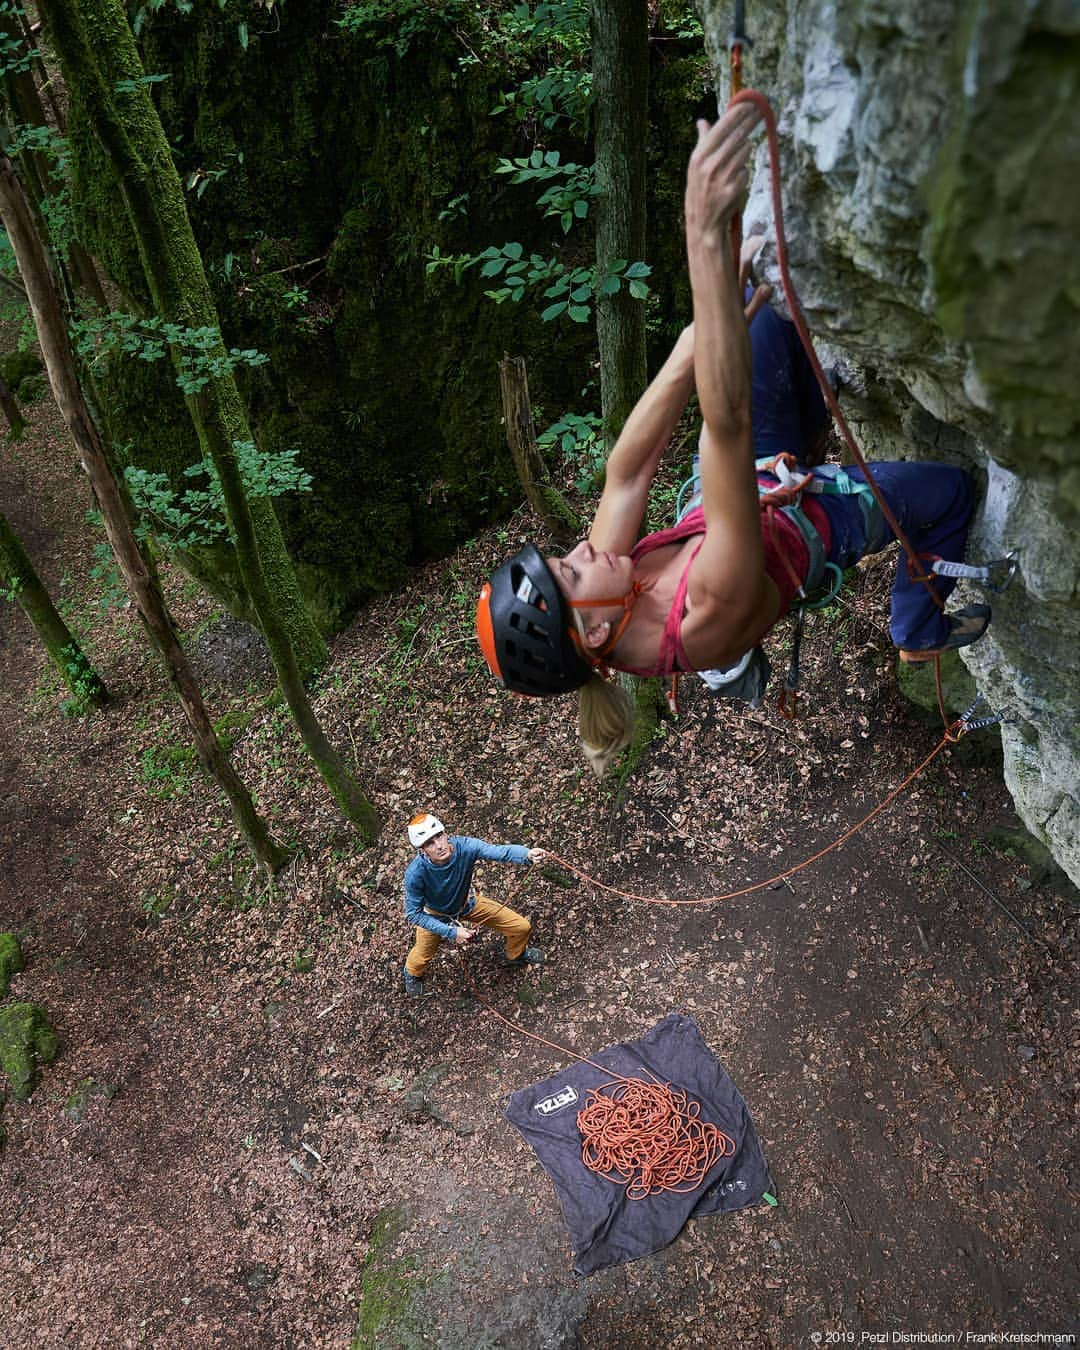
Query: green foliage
{"x": 200, "y": 179}
{"x": 140, "y": 81}
{"x": 581, "y": 440}
{"x": 561, "y": 94}
{"x": 82, "y": 679}
{"x": 196, "y": 516}
{"x": 571, "y": 289}
{"x": 201, "y": 353}
{"x": 167, "y": 771}
{"x": 679, "y": 18}
{"x": 55, "y": 206}
{"x": 568, "y": 200}
{"x": 21, "y": 370}
{"x": 145, "y": 11}
{"x": 105, "y": 570}
{"x": 155, "y": 906}
{"x": 394, "y": 25}
{"x": 16, "y": 57}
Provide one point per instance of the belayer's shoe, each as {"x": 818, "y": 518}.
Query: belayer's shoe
{"x": 965, "y": 627}
{"x": 414, "y": 985}
{"x": 531, "y": 956}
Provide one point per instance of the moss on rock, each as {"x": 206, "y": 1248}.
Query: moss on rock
{"x": 386, "y": 1319}
{"x": 26, "y": 1038}
{"x": 11, "y": 961}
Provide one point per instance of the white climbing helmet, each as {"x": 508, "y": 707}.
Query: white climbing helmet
{"x": 423, "y": 827}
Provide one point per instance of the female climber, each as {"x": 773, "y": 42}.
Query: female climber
{"x": 700, "y": 596}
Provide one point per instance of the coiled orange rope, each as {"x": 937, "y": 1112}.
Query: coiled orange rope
{"x": 649, "y": 1137}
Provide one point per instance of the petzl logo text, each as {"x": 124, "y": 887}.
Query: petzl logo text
{"x": 565, "y": 1097}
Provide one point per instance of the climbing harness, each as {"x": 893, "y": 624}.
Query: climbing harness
{"x": 793, "y": 480}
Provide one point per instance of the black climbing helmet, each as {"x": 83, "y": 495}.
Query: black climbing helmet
{"x": 525, "y": 629}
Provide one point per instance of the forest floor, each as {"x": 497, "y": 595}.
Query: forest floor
{"x": 237, "y": 1145}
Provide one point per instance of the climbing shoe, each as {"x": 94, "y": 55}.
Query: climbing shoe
{"x": 531, "y": 956}
{"x": 414, "y": 986}
{"x": 965, "y": 627}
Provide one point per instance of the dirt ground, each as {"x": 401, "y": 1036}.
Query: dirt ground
{"x": 236, "y": 1146}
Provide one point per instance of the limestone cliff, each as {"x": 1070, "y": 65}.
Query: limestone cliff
{"x": 931, "y": 195}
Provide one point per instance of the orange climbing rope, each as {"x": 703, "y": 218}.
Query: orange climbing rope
{"x": 951, "y": 736}
{"x": 915, "y": 567}
{"x": 649, "y": 1137}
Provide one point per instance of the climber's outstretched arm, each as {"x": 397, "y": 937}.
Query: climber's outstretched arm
{"x": 635, "y": 456}
{"x": 727, "y": 585}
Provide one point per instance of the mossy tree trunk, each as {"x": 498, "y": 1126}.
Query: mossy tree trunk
{"x": 25, "y": 107}
{"x": 97, "y": 52}
{"x": 141, "y": 583}
{"x": 560, "y": 522}
{"x": 21, "y": 581}
{"x": 620, "y": 63}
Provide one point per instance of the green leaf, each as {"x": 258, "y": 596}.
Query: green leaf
{"x": 493, "y": 267}
{"x": 638, "y": 269}
{"x": 579, "y": 313}
{"x": 580, "y": 293}
{"x": 242, "y": 34}
{"x": 512, "y": 250}
{"x": 610, "y": 285}
{"x": 639, "y": 290}
{"x": 553, "y": 311}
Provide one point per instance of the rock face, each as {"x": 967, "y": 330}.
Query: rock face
{"x": 930, "y": 198}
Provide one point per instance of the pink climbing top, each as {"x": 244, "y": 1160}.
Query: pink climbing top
{"x": 672, "y": 655}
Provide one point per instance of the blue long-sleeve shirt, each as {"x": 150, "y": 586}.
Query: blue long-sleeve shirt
{"x": 447, "y": 888}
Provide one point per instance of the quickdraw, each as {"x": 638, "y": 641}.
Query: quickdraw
{"x": 967, "y": 722}
{"x": 996, "y": 576}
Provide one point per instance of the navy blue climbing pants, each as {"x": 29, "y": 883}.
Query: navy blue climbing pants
{"x": 787, "y": 410}
{"x": 932, "y": 503}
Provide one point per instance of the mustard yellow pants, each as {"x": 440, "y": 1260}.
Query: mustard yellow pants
{"x": 485, "y": 914}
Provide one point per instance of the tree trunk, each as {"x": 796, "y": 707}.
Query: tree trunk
{"x": 24, "y": 100}
{"x": 141, "y": 585}
{"x": 560, "y": 522}
{"x": 24, "y": 585}
{"x": 130, "y": 131}
{"x": 620, "y": 56}
{"x": 9, "y": 405}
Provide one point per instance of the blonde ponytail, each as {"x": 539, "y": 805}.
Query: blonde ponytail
{"x": 605, "y": 721}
